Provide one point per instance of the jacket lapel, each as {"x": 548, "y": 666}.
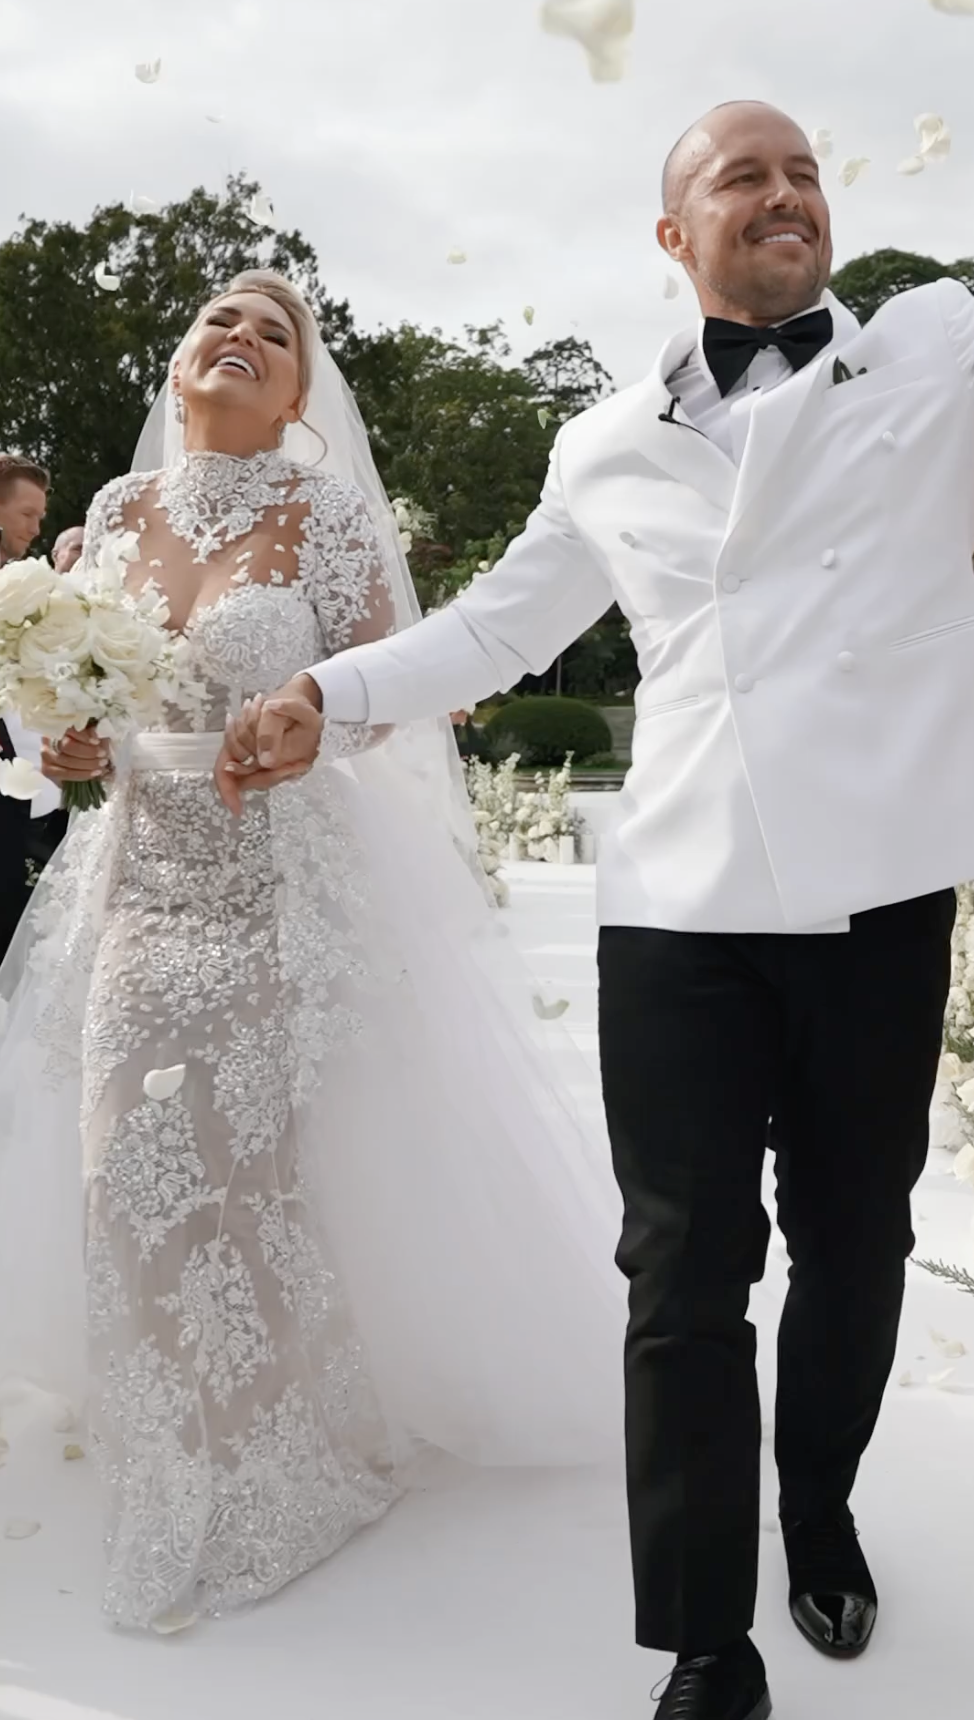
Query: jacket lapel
{"x": 776, "y": 415}
{"x": 664, "y": 435}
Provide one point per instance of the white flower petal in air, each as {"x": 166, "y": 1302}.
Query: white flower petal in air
{"x": 142, "y": 205}
{"x": 149, "y": 71}
{"x": 529, "y": 314}
{"x": 544, "y": 417}
{"x": 940, "y": 1380}
{"x": 215, "y": 119}
{"x": 104, "y": 278}
{"x": 954, "y": 8}
{"x": 20, "y": 1529}
{"x": 671, "y": 287}
{"x": 164, "y": 1083}
{"x": 73, "y": 1453}
{"x": 912, "y": 165}
{"x": 456, "y": 257}
{"x": 822, "y": 143}
{"x": 907, "y": 1379}
{"x": 261, "y": 211}
{"x": 602, "y": 27}
{"x": 950, "y": 1348}
{"x": 550, "y": 1011}
{"x": 19, "y": 780}
{"x": 934, "y": 137}
{"x": 850, "y": 170}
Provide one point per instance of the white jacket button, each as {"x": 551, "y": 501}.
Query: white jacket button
{"x": 829, "y": 558}
{"x": 846, "y": 662}
{"x": 743, "y": 683}
{"x": 889, "y": 440}
{"x": 731, "y": 582}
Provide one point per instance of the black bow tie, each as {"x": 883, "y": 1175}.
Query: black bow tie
{"x": 729, "y": 347}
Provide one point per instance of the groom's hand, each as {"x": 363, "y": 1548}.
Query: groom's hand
{"x": 272, "y": 741}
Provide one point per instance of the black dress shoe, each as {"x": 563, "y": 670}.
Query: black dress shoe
{"x": 832, "y": 1597}
{"x": 727, "y": 1686}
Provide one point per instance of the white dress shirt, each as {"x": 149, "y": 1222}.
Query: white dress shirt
{"x": 726, "y": 419}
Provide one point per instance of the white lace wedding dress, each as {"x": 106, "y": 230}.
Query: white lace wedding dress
{"x": 329, "y": 1204}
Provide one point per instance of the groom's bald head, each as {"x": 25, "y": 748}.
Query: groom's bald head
{"x": 742, "y": 176}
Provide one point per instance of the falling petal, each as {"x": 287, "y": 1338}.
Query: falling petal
{"x": 934, "y": 137}
{"x": 954, "y": 8}
{"x": 671, "y": 287}
{"x": 912, "y": 165}
{"x": 19, "y": 1529}
{"x": 544, "y": 417}
{"x": 850, "y": 170}
{"x": 142, "y": 205}
{"x": 629, "y": 539}
{"x": 73, "y": 1453}
{"x": 602, "y": 27}
{"x": 907, "y": 1379}
{"x": 261, "y": 211}
{"x": 938, "y": 1380}
{"x": 108, "y": 282}
{"x": 550, "y": 1011}
{"x": 529, "y": 314}
{"x": 457, "y": 257}
{"x": 164, "y": 1083}
{"x": 822, "y": 144}
{"x": 19, "y": 780}
{"x": 951, "y": 1348}
{"x": 149, "y": 71}
{"x": 215, "y": 118}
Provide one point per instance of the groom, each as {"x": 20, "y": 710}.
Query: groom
{"x": 784, "y": 512}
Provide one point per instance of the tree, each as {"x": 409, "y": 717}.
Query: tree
{"x": 79, "y": 367}
{"x": 867, "y": 282}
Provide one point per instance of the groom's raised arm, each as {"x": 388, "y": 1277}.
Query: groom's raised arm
{"x": 513, "y": 621}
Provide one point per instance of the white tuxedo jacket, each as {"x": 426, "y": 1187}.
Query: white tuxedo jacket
{"x": 804, "y": 742}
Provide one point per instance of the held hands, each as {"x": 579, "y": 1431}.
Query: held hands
{"x": 82, "y": 756}
{"x": 271, "y": 741}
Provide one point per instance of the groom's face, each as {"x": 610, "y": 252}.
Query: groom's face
{"x": 751, "y": 223}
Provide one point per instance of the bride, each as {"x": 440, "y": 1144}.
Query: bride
{"x": 324, "y": 1207}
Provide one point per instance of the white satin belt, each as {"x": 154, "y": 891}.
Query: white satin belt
{"x": 175, "y": 752}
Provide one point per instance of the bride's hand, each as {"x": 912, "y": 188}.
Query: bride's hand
{"x": 237, "y": 768}
{"x": 81, "y": 756}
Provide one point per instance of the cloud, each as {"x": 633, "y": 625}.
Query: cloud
{"x": 392, "y": 131}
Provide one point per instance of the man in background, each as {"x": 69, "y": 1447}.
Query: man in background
{"x": 23, "y": 503}
{"x": 68, "y": 548}
{"x": 29, "y": 830}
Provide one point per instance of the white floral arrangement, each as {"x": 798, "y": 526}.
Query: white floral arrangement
{"x": 412, "y": 522}
{"x": 954, "y": 1097}
{"x": 526, "y": 823}
{"x": 79, "y": 650}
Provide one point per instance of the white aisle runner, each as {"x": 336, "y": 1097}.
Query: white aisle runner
{"x": 507, "y": 1596}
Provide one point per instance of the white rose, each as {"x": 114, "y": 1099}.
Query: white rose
{"x": 25, "y": 587}
{"x": 41, "y": 706}
{"x": 964, "y": 1165}
{"x": 63, "y": 633}
{"x": 121, "y": 641}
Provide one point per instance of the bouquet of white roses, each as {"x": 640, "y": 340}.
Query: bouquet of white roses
{"x": 78, "y": 650}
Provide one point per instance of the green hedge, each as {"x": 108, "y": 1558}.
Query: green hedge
{"x": 544, "y": 731}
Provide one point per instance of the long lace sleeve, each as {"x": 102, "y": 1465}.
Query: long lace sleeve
{"x": 352, "y": 595}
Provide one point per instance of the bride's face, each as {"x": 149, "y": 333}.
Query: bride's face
{"x": 243, "y": 354}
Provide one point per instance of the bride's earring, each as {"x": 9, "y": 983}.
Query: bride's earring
{"x": 179, "y": 407}
{"x": 281, "y": 433}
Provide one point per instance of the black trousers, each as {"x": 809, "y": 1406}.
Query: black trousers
{"x": 713, "y": 1048}
{"x": 26, "y": 846}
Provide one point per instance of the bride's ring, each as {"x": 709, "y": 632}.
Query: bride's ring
{"x": 246, "y": 763}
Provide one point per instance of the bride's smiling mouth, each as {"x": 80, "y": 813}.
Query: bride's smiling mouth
{"x": 236, "y": 364}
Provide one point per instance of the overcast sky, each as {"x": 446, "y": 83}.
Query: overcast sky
{"x": 391, "y": 131}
